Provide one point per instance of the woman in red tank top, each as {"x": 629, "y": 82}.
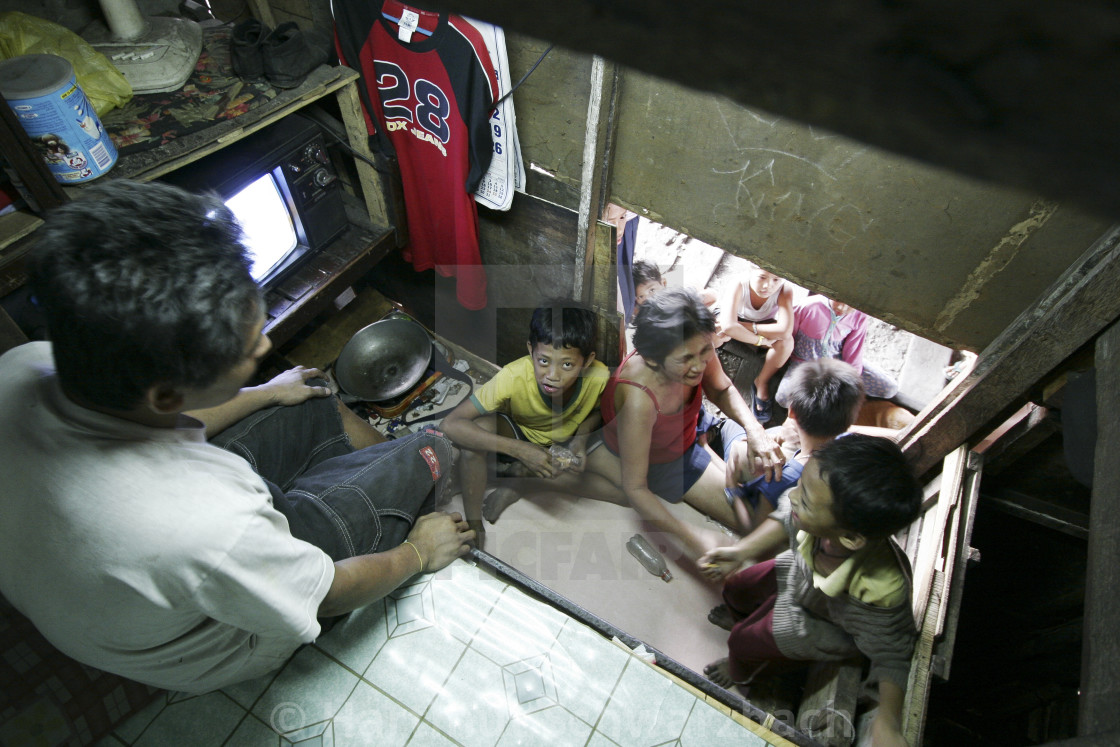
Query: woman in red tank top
{"x": 651, "y": 408}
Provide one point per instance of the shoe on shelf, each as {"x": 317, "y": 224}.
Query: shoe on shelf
{"x": 291, "y": 54}
{"x": 246, "y": 46}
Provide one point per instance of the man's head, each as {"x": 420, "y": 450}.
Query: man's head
{"x": 144, "y": 285}
{"x": 668, "y": 319}
{"x": 561, "y": 344}
{"x": 856, "y": 489}
{"x": 825, "y": 396}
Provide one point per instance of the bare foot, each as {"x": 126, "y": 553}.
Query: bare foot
{"x": 718, "y": 672}
{"x": 497, "y": 502}
{"x": 721, "y": 616}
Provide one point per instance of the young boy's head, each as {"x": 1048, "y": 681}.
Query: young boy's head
{"x": 825, "y": 396}
{"x": 561, "y": 344}
{"x": 854, "y": 490}
{"x": 647, "y": 280}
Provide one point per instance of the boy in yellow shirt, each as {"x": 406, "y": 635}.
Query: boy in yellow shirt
{"x": 548, "y": 398}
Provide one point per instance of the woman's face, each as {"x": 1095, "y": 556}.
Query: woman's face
{"x": 687, "y": 361}
{"x": 764, "y": 283}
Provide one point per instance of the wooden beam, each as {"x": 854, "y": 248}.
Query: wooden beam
{"x": 1026, "y": 429}
{"x": 1081, "y": 303}
{"x": 1041, "y": 512}
{"x": 1022, "y": 93}
{"x": 1100, "y": 661}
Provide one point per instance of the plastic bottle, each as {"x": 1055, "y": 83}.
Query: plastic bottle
{"x": 649, "y": 557}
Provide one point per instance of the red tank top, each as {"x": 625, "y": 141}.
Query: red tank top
{"x": 672, "y": 434}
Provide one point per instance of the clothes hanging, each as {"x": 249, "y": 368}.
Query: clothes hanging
{"x": 431, "y": 98}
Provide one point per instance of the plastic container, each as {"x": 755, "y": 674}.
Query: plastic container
{"x": 45, "y": 96}
{"x": 649, "y": 557}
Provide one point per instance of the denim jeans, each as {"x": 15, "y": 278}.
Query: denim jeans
{"x": 343, "y": 501}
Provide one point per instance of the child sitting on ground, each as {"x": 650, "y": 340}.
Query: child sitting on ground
{"x": 843, "y": 585}
{"x": 825, "y": 397}
{"x": 824, "y": 328}
{"x": 759, "y": 311}
{"x": 549, "y": 398}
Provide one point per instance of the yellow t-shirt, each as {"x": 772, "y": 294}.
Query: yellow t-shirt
{"x": 514, "y": 391}
{"x": 871, "y": 575}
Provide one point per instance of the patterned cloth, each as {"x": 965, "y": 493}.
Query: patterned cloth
{"x": 212, "y": 93}
{"x": 48, "y": 698}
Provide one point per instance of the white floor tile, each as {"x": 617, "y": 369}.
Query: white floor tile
{"x": 473, "y": 705}
{"x": 309, "y": 690}
{"x": 707, "y": 727}
{"x": 356, "y": 640}
{"x": 369, "y": 717}
{"x": 413, "y": 667}
{"x": 646, "y": 708}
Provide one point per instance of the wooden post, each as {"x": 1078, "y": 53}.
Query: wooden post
{"x": 1100, "y": 653}
{"x": 596, "y": 166}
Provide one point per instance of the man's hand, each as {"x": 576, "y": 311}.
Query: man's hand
{"x": 291, "y": 387}
{"x": 721, "y": 562}
{"x": 440, "y": 537}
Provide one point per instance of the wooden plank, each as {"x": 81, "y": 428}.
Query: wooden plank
{"x": 930, "y": 547}
{"x": 827, "y": 712}
{"x": 1041, "y": 512}
{"x": 1026, "y": 429}
{"x": 10, "y": 333}
{"x": 1100, "y": 661}
{"x": 157, "y": 162}
{"x": 597, "y": 142}
{"x": 373, "y": 191}
{"x": 955, "y": 569}
{"x": 917, "y": 687}
{"x": 1081, "y": 303}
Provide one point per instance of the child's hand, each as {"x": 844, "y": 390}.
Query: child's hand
{"x": 537, "y": 459}
{"x": 576, "y": 457}
{"x": 718, "y": 564}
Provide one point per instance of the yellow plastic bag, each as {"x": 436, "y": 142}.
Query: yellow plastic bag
{"x": 102, "y": 83}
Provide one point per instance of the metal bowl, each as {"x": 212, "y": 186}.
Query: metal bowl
{"x": 384, "y": 360}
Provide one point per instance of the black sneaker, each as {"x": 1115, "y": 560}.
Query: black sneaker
{"x": 246, "y": 45}
{"x": 291, "y": 54}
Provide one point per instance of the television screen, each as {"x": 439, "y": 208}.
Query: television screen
{"x": 264, "y": 217}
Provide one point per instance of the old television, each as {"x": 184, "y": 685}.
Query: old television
{"x": 281, "y": 186}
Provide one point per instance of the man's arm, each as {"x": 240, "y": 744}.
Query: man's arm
{"x": 434, "y": 541}
{"x": 287, "y": 388}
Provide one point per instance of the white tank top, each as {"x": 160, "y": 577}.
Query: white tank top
{"x": 768, "y": 310}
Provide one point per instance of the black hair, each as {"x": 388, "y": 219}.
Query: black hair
{"x": 563, "y": 323}
{"x": 643, "y": 271}
{"x": 874, "y": 490}
{"x": 143, "y": 284}
{"x": 825, "y": 396}
{"x": 667, "y": 319}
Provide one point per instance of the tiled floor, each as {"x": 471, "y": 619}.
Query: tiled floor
{"x": 454, "y": 658}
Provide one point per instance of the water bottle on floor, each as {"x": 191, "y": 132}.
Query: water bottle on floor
{"x": 649, "y": 557}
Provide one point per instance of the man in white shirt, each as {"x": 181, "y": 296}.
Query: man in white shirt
{"x": 134, "y": 543}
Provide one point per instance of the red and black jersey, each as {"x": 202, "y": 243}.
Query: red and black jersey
{"x": 432, "y": 97}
